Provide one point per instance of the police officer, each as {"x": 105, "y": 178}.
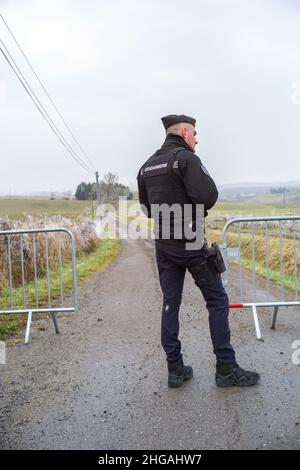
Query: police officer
{"x": 174, "y": 174}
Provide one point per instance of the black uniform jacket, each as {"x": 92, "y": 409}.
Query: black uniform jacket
{"x": 175, "y": 177}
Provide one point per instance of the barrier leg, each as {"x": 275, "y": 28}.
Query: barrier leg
{"x": 55, "y": 323}
{"x": 28, "y": 327}
{"x": 256, "y": 323}
{"x": 274, "y": 318}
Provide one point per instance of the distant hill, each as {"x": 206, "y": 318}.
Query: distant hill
{"x": 261, "y": 192}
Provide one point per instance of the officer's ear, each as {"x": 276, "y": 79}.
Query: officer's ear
{"x": 182, "y": 132}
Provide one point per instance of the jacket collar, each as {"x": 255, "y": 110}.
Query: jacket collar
{"x": 173, "y": 140}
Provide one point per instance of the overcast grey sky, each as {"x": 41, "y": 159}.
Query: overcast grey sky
{"x": 115, "y": 67}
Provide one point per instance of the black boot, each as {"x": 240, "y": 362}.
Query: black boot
{"x": 178, "y": 372}
{"x": 228, "y": 375}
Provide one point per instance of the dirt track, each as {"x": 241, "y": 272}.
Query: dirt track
{"x": 101, "y": 383}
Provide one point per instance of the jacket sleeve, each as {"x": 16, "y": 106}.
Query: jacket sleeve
{"x": 199, "y": 185}
{"x": 143, "y": 198}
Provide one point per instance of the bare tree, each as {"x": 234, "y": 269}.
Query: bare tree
{"x": 111, "y": 189}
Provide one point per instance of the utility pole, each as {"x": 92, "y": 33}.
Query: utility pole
{"x": 97, "y": 189}
{"x": 98, "y": 215}
{"x": 92, "y": 206}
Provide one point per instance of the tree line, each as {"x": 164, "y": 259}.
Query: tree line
{"x": 110, "y": 190}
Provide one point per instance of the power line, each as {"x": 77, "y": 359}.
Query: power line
{"x": 41, "y": 108}
{"x": 46, "y": 92}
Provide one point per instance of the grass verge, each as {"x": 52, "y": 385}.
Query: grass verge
{"x": 260, "y": 257}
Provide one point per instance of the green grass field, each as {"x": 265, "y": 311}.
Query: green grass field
{"x": 18, "y": 208}
{"x": 222, "y": 209}
{"x": 226, "y": 209}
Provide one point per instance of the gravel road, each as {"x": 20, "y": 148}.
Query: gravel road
{"x": 102, "y": 383}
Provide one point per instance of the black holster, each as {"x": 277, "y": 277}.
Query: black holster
{"x": 215, "y": 256}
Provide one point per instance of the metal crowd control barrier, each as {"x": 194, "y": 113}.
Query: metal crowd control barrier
{"x": 271, "y": 231}
{"x": 16, "y": 257}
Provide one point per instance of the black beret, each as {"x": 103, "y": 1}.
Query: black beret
{"x": 172, "y": 119}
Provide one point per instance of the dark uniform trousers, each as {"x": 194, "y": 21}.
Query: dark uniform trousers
{"x": 172, "y": 262}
